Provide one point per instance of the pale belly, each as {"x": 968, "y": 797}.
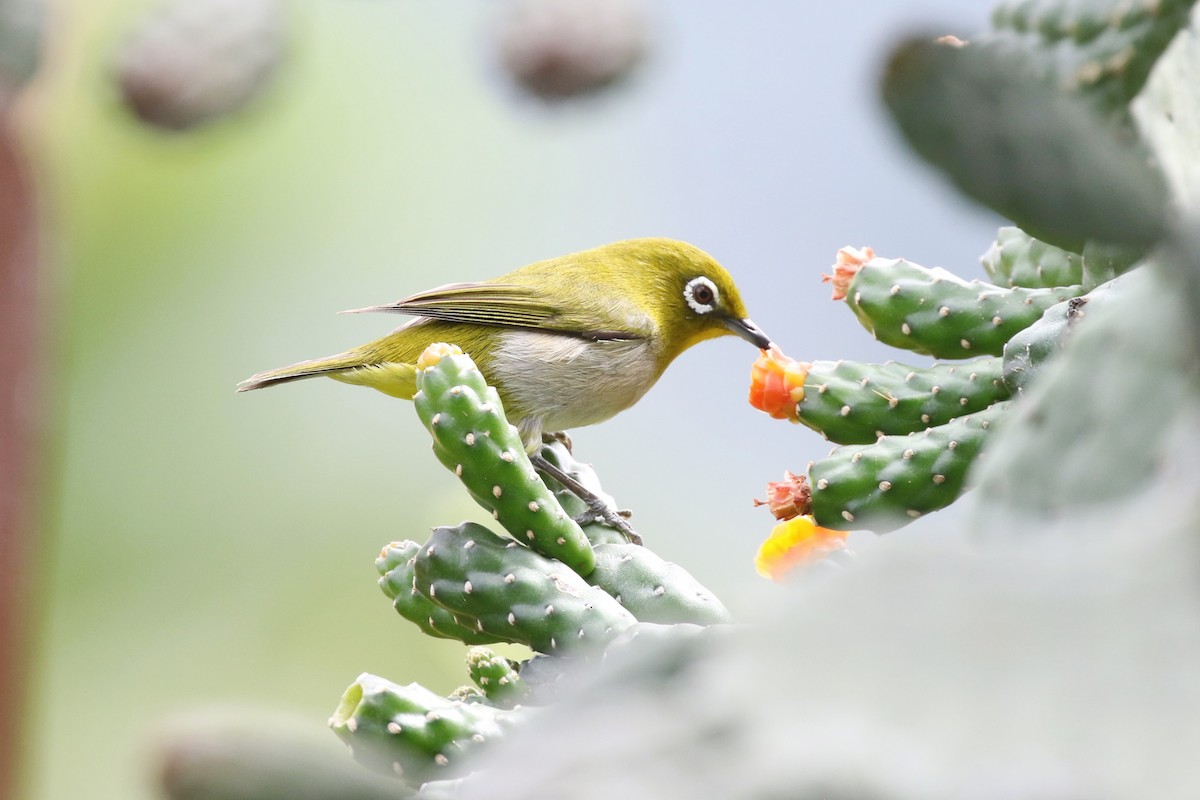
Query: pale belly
{"x": 561, "y": 382}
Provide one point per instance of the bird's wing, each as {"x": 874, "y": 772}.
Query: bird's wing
{"x": 506, "y": 305}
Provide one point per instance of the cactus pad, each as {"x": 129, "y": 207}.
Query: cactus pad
{"x": 885, "y": 485}
{"x": 1018, "y": 259}
{"x": 514, "y": 594}
{"x": 853, "y": 403}
{"x": 411, "y": 732}
{"x": 473, "y": 438}
{"x": 1039, "y": 155}
{"x": 1103, "y": 49}
{"x": 396, "y": 565}
{"x": 654, "y": 590}
{"x": 934, "y": 312}
{"x": 496, "y": 676}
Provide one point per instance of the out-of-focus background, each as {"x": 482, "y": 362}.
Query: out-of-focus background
{"x": 209, "y": 548}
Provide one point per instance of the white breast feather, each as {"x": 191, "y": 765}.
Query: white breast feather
{"x": 564, "y": 382}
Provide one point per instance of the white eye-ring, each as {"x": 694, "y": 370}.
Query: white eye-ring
{"x": 701, "y": 294}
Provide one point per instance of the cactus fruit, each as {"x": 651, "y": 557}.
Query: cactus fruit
{"x": 885, "y": 485}
{"x": 560, "y": 48}
{"x": 934, "y": 312}
{"x": 496, "y": 677}
{"x": 514, "y": 594}
{"x": 409, "y": 731}
{"x": 777, "y": 383}
{"x": 654, "y": 590}
{"x": 192, "y": 61}
{"x": 795, "y": 542}
{"x": 396, "y": 565}
{"x": 1018, "y": 259}
{"x": 473, "y": 439}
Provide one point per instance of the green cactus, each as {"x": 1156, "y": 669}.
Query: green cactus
{"x": 1093, "y": 415}
{"x": 1018, "y": 259}
{"x": 853, "y": 403}
{"x": 410, "y": 732}
{"x": 1038, "y": 155}
{"x": 1102, "y": 262}
{"x": 654, "y": 590}
{"x": 934, "y": 312}
{"x": 396, "y": 565}
{"x": 1099, "y": 49}
{"x": 496, "y": 677}
{"x": 1028, "y": 351}
{"x": 473, "y": 438}
{"x": 514, "y": 594}
{"x": 885, "y": 485}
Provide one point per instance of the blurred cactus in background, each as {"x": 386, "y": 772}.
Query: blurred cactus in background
{"x": 556, "y": 49}
{"x": 21, "y": 26}
{"x": 188, "y": 62}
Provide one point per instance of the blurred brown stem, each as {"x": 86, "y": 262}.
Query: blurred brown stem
{"x": 20, "y": 413}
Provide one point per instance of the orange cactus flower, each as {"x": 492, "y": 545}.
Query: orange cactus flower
{"x": 849, "y": 261}
{"x": 797, "y": 542}
{"x": 777, "y": 383}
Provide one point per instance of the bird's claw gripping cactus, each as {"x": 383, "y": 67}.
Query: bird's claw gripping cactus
{"x": 557, "y": 453}
{"x": 411, "y": 732}
{"x": 397, "y": 567}
{"x": 473, "y": 439}
{"x": 514, "y": 594}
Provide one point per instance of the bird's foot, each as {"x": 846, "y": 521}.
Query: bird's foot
{"x": 607, "y": 515}
{"x": 558, "y": 436}
{"x": 598, "y": 509}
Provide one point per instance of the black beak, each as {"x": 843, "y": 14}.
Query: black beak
{"x": 750, "y": 332}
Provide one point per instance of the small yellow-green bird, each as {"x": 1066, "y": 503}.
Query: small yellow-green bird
{"x": 567, "y": 342}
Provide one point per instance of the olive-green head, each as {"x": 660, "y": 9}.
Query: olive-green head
{"x": 684, "y": 291}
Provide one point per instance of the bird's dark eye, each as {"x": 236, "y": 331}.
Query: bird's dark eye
{"x": 701, "y": 294}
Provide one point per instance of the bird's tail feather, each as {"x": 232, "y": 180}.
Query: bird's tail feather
{"x": 300, "y": 371}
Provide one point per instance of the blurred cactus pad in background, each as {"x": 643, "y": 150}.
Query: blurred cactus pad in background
{"x": 216, "y": 176}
